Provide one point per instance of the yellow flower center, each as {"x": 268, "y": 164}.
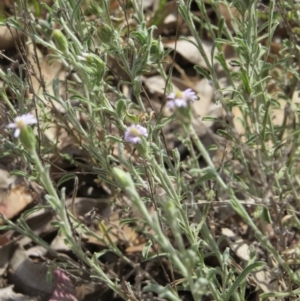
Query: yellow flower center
{"x": 20, "y": 124}
{"x": 134, "y": 132}
{"x": 178, "y": 94}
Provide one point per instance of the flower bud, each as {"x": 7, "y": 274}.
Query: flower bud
{"x": 96, "y": 64}
{"x": 60, "y": 40}
{"x": 123, "y": 178}
{"x": 106, "y": 34}
{"x": 94, "y": 9}
{"x": 156, "y": 51}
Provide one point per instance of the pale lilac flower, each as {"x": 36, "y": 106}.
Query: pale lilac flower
{"x": 134, "y": 132}
{"x": 20, "y": 122}
{"x": 181, "y": 99}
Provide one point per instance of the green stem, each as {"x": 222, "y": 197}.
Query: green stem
{"x": 238, "y": 207}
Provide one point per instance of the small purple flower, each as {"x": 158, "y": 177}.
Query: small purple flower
{"x": 20, "y": 122}
{"x": 181, "y": 99}
{"x": 134, "y": 132}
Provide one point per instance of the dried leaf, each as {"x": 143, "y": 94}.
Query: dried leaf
{"x": 190, "y": 52}
{"x": 16, "y": 200}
